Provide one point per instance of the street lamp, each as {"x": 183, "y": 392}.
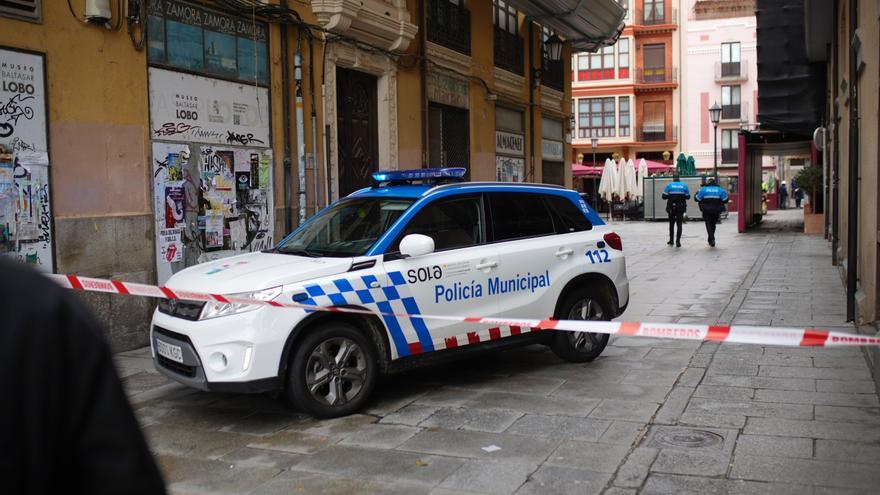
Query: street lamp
{"x": 554, "y": 48}
{"x": 715, "y": 117}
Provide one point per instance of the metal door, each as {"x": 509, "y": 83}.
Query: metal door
{"x": 357, "y": 129}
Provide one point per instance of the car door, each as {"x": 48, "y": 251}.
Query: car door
{"x": 449, "y": 281}
{"x": 539, "y": 251}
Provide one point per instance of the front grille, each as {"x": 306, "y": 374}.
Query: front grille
{"x": 179, "y": 368}
{"x": 171, "y": 335}
{"x": 187, "y": 310}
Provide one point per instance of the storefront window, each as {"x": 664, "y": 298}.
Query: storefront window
{"x": 191, "y": 37}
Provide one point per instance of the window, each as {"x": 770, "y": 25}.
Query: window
{"x": 583, "y": 67}
{"x": 453, "y": 223}
{"x": 729, "y": 145}
{"x": 448, "y": 136}
{"x": 553, "y": 75}
{"x": 449, "y": 24}
{"x": 348, "y": 228}
{"x": 508, "y": 43}
{"x": 601, "y": 64}
{"x": 596, "y": 117}
{"x": 730, "y": 103}
{"x": 654, "y": 12}
{"x": 516, "y": 216}
{"x": 623, "y": 58}
{"x": 623, "y": 115}
{"x": 207, "y": 42}
{"x": 655, "y": 63}
{"x": 23, "y": 9}
{"x": 730, "y": 61}
{"x": 568, "y": 217}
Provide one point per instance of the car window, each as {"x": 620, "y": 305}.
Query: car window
{"x": 518, "y": 215}
{"x": 569, "y": 217}
{"x": 452, "y": 222}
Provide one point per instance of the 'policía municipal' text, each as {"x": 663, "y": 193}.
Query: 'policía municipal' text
{"x": 460, "y": 291}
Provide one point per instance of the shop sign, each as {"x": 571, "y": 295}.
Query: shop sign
{"x": 509, "y": 169}
{"x": 509, "y": 143}
{"x": 447, "y": 90}
{"x": 552, "y": 150}
{"x": 25, "y": 196}
{"x": 188, "y": 108}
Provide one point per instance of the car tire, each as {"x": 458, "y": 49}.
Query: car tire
{"x": 583, "y": 304}
{"x": 332, "y": 371}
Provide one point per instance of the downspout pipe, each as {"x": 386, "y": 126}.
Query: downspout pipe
{"x": 852, "y": 228}
{"x": 423, "y": 80}
{"x": 300, "y": 134}
{"x": 532, "y": 83}
{"x": 285, "y": 103}
{"x": 835, "y": 165}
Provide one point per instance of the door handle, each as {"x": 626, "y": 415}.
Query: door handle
{"x": 488, "y": 264}
{"x": 563, "y": 252}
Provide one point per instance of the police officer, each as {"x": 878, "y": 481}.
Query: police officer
{"x": 676, "y": 194}
{"x": 711, "y": 199}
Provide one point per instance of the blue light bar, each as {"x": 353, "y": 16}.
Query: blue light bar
{"x": 419, "y": 174}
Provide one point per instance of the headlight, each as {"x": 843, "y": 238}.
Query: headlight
{"x": 216, "y": 309}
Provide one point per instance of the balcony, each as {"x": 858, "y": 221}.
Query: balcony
{"x": 508, "y": 51}
{"x": 654, "y": 133}
{"x": 656, "y": 75}
{"x": 641, "y": 17}
{"x": 449, "y": 25}
{"x": 553, "y": 74}
{"x": 731, "y": 71}
{"x": 729, "y": 155}
{"x": 736, "y": 113}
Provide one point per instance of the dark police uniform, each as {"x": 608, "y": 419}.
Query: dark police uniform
{"x": 676, "y": 195}
{"x": 711, "y": 199}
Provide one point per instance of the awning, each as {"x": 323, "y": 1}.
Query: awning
{"x": 578, "y": 170}
{"x": 587, "y": 24}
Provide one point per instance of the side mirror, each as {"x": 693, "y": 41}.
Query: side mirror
{"x": 416, "y": 245}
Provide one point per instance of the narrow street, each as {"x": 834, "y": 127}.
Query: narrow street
{"x": 648, "y": 416}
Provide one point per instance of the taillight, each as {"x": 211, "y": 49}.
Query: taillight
{"x": 613, "y": 241}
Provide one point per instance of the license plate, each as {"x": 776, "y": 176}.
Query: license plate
{"x": 172, "y": 352}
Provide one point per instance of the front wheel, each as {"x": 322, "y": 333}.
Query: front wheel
{"x": 333, "y": 371}
{"x": 582, "y": 304}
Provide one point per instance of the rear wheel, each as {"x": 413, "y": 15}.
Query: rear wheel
{"x": 333, "y": 371}
{"x": 583, "y": 304}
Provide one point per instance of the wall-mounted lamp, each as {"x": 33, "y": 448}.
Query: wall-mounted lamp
{"x": 554, "y": 48}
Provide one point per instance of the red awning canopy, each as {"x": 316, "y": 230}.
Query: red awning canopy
{"x": 578, "y": 170}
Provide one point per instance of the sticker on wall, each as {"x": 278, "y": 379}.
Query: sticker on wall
{"x": 214, "y": 229}
{"x": 175, "y": 204}
{"x": 171, "y": 245}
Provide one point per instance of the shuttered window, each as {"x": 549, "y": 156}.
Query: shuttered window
{"x": 23, "y": 9}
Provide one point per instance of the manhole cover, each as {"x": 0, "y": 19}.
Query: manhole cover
{"x": 689, "y": 439}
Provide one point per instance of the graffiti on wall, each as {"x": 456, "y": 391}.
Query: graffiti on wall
{"x": 211, "y": 202}
{"x": 25, "y": 200}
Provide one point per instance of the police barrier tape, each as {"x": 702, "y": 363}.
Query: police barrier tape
{"x": 738, "y": 334}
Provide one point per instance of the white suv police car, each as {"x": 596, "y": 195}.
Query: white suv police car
{"x": 417, "y": 242}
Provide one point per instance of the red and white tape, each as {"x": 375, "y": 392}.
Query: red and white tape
{"x": 739, "y": 334}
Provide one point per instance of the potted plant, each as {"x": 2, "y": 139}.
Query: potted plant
{"x": 810, "y": 179}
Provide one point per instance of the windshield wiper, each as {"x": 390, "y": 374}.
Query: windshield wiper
{"x": 299, "y": 252}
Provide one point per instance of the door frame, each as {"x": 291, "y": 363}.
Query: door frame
{"x": 386, "y": 107}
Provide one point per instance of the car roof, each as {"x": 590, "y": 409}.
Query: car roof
{"x": 421, "y": 190}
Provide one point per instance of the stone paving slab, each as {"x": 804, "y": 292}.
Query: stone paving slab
{"x": 790, "y": 420}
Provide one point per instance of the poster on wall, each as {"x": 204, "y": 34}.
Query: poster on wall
{"x": 509, "y": 169}
{"x": 25, "y": 197}
{"x": 188, "y": 108}
{"x": 200, "y": 193}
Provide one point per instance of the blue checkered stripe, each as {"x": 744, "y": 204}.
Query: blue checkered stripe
{"x": 396, "y": 298}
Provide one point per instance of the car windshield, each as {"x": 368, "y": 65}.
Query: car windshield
{"x": 345, "y": 229}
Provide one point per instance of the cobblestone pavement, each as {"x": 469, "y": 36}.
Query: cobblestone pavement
{"x": 649, "y": 416}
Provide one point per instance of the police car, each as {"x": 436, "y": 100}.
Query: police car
{"x": 416, "y": 242}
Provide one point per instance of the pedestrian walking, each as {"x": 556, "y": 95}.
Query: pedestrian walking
{"x": 66, "y": 425}
{"x": 676, "y": 194}
{"x": 783, "y": 196}
{"x": 798, "y": 197}
{"x": 711, "y": 199}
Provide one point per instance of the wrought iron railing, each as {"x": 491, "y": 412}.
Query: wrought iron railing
{"x": 553, "y": 74}
{"x": 731, "y": 71}
{"x": 654, "y": 75}
{"x": 651, "y": 133}
{"x": 729, "y": 155}
{"x": 508, "y": 51}
{"x": 449, "y": 25}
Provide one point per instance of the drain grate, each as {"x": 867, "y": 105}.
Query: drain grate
{"x": 687, "y": 439}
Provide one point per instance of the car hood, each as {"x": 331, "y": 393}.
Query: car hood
{"x": 254, "y": 271}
